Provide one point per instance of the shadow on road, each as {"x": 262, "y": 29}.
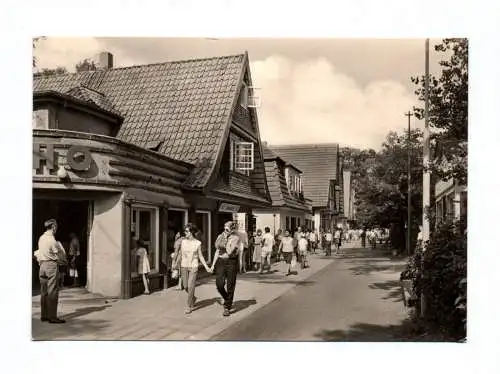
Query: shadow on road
{"x": 364, "y": 332}
{"x": 84, "y": 311}
{"x": 240, "y": 305}
{"x": 71, "y": 329}
{"x": 205, "y": 303}
{"x": 393, "y": 287}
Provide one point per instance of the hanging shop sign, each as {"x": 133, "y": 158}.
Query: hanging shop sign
{"x": 78, "y": 158}
{"x": 229, "y": 208}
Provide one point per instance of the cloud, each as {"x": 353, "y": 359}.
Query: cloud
{"x": 312, "y": 101}
{"x": 67, "y": 52}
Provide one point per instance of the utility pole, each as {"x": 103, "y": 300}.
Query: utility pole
{"x": 408, "y": 219}
{"x": 426, "y": 192}
{"x": 426, "y": 198}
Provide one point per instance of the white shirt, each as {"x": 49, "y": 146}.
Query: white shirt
{"x": 302, "y": 244}
{"x": 329, "y": 237}
{"x": 189, "y": 253}
{"x": 48, "y": 249}
{"x": 268, "y": 242}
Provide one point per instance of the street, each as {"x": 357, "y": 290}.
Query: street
{"x": 352, "y": 297}
{"x": 355, "y": 298}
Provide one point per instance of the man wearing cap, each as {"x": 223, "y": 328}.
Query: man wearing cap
{"x": 48, "y": 255}
{"x": 226, "y": 264}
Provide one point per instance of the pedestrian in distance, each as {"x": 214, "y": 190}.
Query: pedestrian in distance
{"x": 338, "y": 241}
{"x": 267, "y": 250}
{"x": 191, "y": 254}
{"x": 302, "y": 250}
{"x": 74, "y": 255}
{"x": 363, "y": 238}
{"x": 49, "y": 256}
{"x": 226, "y": 265}
{"x": 286, "y": 249}
{"x": 328, "y": 242}
{"x": 143, "y": 266}
{"x": 257, "y": 250}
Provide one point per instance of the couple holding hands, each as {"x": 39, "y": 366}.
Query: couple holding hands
{"x": 188, "y": 254}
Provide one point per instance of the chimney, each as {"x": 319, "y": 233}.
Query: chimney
{"x": 105, "y": 61}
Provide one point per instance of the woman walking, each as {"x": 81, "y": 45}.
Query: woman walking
{"x": 257, "y": 251}
{"x": 286, "y": 248}
{"x": 191, "y": 254}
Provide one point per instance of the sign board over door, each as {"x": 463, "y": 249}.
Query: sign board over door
{"x": 229, "y": 208}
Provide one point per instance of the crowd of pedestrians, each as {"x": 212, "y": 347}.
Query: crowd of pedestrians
{"x": 235, "y": 252}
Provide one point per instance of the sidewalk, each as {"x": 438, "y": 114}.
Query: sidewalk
{"x": 160, "y": 316}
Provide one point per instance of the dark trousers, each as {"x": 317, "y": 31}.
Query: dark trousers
{"x": 328, "y": 248}
{"x": 226, "y": 270}
{"x": 49, "y": 289}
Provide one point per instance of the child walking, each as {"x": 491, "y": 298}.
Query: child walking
{"x": 143, "y": 267}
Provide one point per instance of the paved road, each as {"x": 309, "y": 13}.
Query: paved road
{"x": 356, "y": 298}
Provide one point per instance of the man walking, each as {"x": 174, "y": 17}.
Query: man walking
{"x": 48, "y": 256}
{"x": 267, "y": 249}
{"x": 226, "y": 264}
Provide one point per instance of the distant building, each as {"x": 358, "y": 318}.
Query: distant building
{"x": 322, "y": 179}
{"x": 451, "y": 201}
{"x": 290, "y": 207}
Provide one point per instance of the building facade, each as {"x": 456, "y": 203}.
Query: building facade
{"x": 137, "y": 152}
{"x": 290, "y": 208}
{"x": 322, "y": 180}
{"x": 451, "y": 201}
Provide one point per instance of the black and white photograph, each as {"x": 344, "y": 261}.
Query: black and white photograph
{"x": 249, "y": 189}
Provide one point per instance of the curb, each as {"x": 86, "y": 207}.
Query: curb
{"x": 212, "y": 331}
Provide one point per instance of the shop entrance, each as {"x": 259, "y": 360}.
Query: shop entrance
{"x": 72, "y": 216}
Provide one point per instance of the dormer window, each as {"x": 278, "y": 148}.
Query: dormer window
{"x": 249, "y": 97}
{"x": 293, "y": 180}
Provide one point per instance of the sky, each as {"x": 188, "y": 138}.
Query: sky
{"x": 346, "y": 91}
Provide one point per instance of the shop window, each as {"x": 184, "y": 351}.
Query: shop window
{"x": 144, "y": 226}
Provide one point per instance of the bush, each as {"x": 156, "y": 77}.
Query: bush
{"x": 443, "y": 280}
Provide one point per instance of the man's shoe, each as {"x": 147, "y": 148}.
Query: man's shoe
{"x": 57, "y": 320}
{"x": 226, "y": 313}
{"x": 44, "y": 319}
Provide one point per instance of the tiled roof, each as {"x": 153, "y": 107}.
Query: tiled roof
{"x": 276, "y": 182}
{"x": 185, "y": 104}
{"x": 270, "y": 155}
{"x": 318, "y": 163}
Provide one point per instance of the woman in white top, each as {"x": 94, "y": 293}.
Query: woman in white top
{"x": 286, "y": 248}
{"x": 143, "y": 267}
{"x": 191, "y": 253}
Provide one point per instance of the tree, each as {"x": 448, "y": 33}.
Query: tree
{"x": 448, "y": 110}
{"x": 35, "y": 42}
{"x": 380, "y": 183}
{"x": 85, "y": 65}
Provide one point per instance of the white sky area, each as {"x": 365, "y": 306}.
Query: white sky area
{"x": 350, "y": 91}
